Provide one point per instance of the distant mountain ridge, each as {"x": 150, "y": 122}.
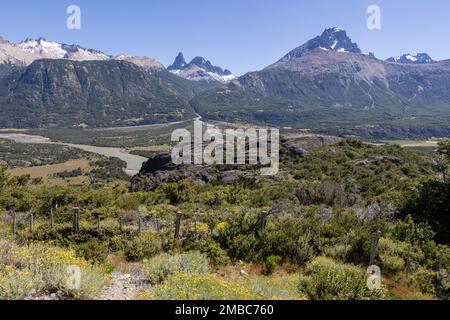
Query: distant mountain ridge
{"x": 328, "y": 85}
{"x": 199, "y": 69}
{"x": 30, "y": 50}
{"x": 420, "y": 58}
{"x": 48, "y": 84}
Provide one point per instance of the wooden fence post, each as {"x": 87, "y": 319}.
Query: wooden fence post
{"x": 52, "y": 219}
{"x": 374, "y": 249}
{"x": 264, "y": 218}
{"x": 140, "y": 226}
{"x": 178, "y": 225}
{"x": 98, "y": 222}
{"x": 76, "y": 219}
{"x": 319, "y": 245}
{"x": 31, "y": 222}
{"x": 408, "y": 260}
{"x": 14, "y": 224}
{"x": 120, "y": 224}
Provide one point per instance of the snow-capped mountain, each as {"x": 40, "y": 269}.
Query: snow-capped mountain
{"x": 53, "y": 50}
{"x": 11, "y": 53}
{"x": 333, "y": 39}
{"x": 199, "y": 69}
{"x": 30, "y": 50}
{"x": 420, "y": 58}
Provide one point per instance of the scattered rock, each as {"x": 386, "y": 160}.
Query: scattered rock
{"x": 233, "y": 176}
{"x": 243, "y": 273}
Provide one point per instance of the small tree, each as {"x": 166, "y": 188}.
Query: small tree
{"x": 444, "y": 157}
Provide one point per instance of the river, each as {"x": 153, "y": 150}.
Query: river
{"x": 134, "y": 162}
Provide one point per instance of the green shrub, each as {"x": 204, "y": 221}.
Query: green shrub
{"x": 216, "y": 255}
{"x": 93, "y": 250}
{"x": 391, "y": 255}
{"x": 159, "y": 268}
{"x": 391, "y": 264}
{"x": 144, "y": 246}
{"x": 414, "y": 233}
{"x": 338, "y": 252}
{"x": 433, "y": 283}
{"x": 271, "y": 263}
{"x": 361, "y": 245}
{"x": 328, "y": 280}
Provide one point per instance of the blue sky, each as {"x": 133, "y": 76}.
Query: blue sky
{"x": 242, "y": 35}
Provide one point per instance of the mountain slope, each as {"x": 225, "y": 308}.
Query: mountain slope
{"x": 328, "y": 85}
{"x": 147, "y": 63}
{"x": 65, "y": 93}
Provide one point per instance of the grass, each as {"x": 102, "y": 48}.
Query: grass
{"x": 127, "y": 137}
{"x": 426, "y": 146}
{"x": 412, "y": 143}
{"x": 46, "y": 172}
{"x": 159, "y": 148}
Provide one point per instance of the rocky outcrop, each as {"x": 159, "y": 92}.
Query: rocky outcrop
{"x": 378, "y": 160}
{"x": 161, "y": 169}
{"x": 298, "y": 144}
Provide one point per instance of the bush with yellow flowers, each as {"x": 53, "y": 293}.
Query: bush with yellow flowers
{"x": 161, "y": 267}
{"x": 182, "y": 286}
{"x": 40, "y": 269}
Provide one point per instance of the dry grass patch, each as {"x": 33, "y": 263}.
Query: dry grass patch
{"x": 46, "y": 172}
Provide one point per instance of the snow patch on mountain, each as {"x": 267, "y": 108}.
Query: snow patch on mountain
{"x": 420, "y": 58}
{"x": 53, "y": 50}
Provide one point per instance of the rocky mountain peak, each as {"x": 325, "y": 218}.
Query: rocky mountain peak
{"x": 199, "y": 69}
{"x": 179, "y": 63}
{"x": 332, "y": 39}
{"x": 3, "y": 40}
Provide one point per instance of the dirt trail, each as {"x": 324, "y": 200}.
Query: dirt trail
{"x": 125, "y": 286}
